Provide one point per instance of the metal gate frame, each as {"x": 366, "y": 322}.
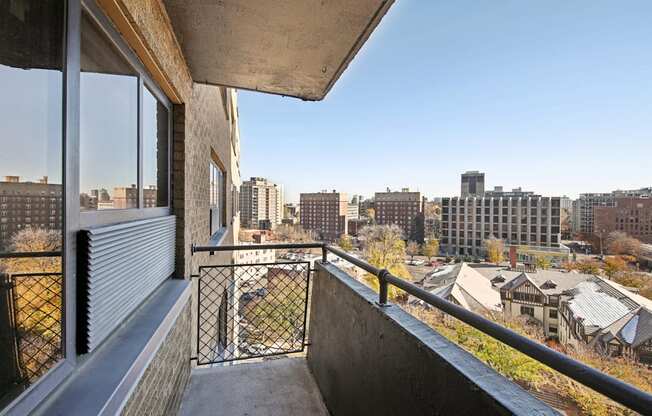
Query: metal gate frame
{"x": 202, "y": 359}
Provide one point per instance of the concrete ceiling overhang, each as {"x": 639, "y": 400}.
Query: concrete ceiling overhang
{"x": 297, "y": 48}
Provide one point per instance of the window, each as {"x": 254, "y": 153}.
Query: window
{"x": 217, "y": 193}
{"x": 155, "y": 151}
{"x": 527, "y": 310}
{"x": 111, "y": 141}
{"x": 552, "y": 329}
{"x": 552, "y": 313}
{"x": 31, "y": 121}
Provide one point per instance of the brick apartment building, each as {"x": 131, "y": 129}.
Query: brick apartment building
{"x": 584, "y": 207}
{"x": 28, "y": 204}
{"x": 324, "y": 213}
{"x": 630, "y": 215}
{"x": 404, "y": 209}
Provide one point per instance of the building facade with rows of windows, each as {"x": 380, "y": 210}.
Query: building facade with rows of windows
{"x": 532, "y": 222}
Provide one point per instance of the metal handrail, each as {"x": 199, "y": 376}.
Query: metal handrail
{"x": 602, "y": 383}
{"x": 27, "y": 254}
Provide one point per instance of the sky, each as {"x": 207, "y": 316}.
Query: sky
{"x": 553, "y": 96}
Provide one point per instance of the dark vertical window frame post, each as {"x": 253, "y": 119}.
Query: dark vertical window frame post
{"x": 36, "y": 394}
{"x": 139, "y": 119}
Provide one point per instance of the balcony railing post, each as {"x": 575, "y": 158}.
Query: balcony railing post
{"x": 324, "y": 254}
{"x": 383, "y": 287}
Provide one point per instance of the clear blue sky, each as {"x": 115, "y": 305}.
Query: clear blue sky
{"x": 554, "y": 96}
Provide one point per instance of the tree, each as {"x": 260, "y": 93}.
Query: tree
{"x": 345, "y": 242}
{"x": 614, "y": 265}
{"x": 384, "y": 248}
{"x": 412, "y": 249}
{"x": 543, "y": 262}
{"x": 588, "y": 267}
{"x": 495, "y": 249}
{"x": 619, "y": 242}
{"x": 430, "y": 248}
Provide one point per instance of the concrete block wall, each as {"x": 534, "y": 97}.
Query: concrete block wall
{"x": 162, "y": 385}
{"x": 368, "y": 359}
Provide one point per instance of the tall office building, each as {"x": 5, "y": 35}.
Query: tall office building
{"x": 324, "y": 213}
{"x": 404, "y": 209}
{"x": 28, "y": 204}
{"x": 472, "y": 184}
{"x": 529, "y": 221}
{"x": 261, "y": 203}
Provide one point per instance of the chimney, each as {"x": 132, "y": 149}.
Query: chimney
{"x": 512, "y": 257}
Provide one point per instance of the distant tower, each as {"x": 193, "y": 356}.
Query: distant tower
{"x": 472, "y": 183}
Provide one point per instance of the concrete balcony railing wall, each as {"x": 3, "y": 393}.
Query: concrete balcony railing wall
{"x": 380, "y": 360}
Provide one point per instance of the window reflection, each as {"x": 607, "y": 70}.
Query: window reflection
{"x": 31, "y": 194}
{"x": 108, "y": 124}
{"x": 155, "y": 152}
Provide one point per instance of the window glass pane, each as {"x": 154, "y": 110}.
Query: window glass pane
{"x": 31, "y": 195}
{"x": 108, "y": 124}
{"x": 155, "y": 151}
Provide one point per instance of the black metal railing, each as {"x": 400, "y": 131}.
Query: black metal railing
{"x": 602, "y": 383}
{"x": 31, "y": 302}
{"x": 251, "y": 310}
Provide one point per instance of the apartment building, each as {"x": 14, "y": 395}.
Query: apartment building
{"x": 629, "y": 215}
{"x": 324, "y": 213}
{"x": 353, "y": 210}
{"x": 583, "y": 210}
{"x": 472, "y": 184}
{"x": 261, "y": 203}
{"x": 404, "y": 209}
{"x": 28, "y": 205}
{"x": 498, "y": 192}
{"x": 531, "y": 221}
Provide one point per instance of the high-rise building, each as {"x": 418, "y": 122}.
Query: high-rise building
{"x": 28, "y": 204}
{"x": 404, "y": 209}
{"x": 629, "y": 215}
{"x": 324, "y": 213}
{"x": 472, "y": 184}
{"x": 353, "y": 210}
{"x": 261, "y": 203}
{"x": 529, "y": 221}
{"x": 498, "y": 192}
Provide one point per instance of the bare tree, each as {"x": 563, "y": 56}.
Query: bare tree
{"x": 619, "y": 242}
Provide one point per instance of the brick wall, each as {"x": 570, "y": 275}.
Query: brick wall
{"x": 162, "y": 385}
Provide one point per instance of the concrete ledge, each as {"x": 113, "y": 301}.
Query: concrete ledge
{"x": 382, "y": 361}
{"x": 104, "y": 382}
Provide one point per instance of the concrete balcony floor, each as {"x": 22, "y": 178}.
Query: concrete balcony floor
{"x": 279, "y": 387}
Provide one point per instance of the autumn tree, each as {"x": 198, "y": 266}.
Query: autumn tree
{"x": 412, "y": 249}
{"x": 495, "y": 249}
{"x": 345, "y": 242}
{"x": 543, "y": 262}
{"x": 614, "y": 265}
{"x": 588, "y": 267}
{"x": 430, "y": 248}
{"x": 384, "y": 248}
{"x": 619, "y": 242}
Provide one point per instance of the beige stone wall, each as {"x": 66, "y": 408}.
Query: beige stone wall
{"x": 161, "y": 387}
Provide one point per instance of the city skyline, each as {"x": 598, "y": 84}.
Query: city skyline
{"x": 535, "y": 95}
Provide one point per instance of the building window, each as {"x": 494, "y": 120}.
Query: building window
{"x": 552, "y": 329}
{"x": 552, "y": 313}
{"x": 111, "y": 141}
{"x": 217, "y": 193}
{"x": 31, "y": 119}
{"x": 527, "y": 310}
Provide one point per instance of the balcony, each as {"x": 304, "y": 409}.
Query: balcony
{"x": 352, "y": 352}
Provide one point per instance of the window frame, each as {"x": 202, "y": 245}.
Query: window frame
{"x": 73, "y": 220}
{"x": 215, "y": 236}
{"x": 106, "y": 217}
